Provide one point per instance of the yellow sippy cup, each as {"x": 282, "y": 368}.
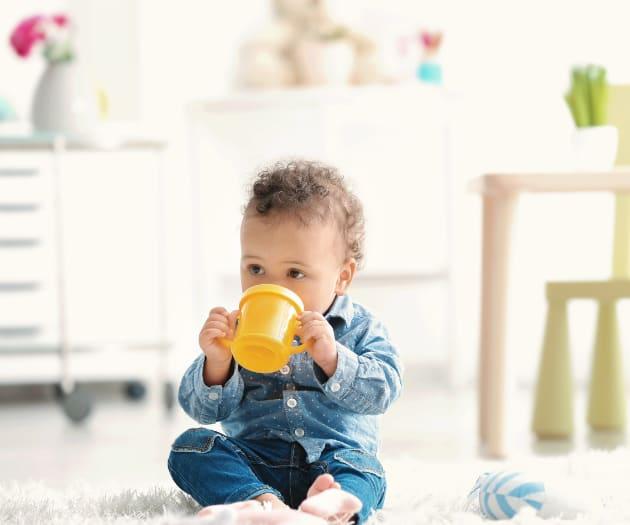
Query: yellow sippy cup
{"x": 266, "y": 328}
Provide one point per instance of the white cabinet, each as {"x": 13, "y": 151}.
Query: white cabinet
{"x": 80, "y": 259}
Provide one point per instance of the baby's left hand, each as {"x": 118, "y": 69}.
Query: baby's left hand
{"x": 315, "y": 330}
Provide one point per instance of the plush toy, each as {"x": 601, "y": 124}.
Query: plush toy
{"x": 305, "y": 46}
{"x": 502, "y": 495}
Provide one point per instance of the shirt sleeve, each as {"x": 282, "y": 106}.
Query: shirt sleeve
{"x": 368, "y": 378}
{"x": 209, "y": 404}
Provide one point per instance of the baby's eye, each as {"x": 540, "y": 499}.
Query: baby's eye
{"x": 296, "y": 274}
{"x": 256, "y": 269}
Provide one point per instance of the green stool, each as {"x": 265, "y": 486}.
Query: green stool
{"x": 553, "y": 409}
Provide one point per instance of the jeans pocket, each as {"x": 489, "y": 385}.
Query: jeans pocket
{"x": 196, "y": 440}
{"x": 361, "y": 461}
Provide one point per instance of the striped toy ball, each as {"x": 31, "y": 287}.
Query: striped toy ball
{"x": 502, "y": 494}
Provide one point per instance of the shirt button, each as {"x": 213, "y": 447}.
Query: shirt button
{"x": 292, "y": 403}
{"x": 335, "y": 387}
{"x": 213, "y": 396}
{"x": 299, "y": 432}
{"x": 285, "y": 370}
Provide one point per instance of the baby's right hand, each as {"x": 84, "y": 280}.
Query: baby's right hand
{"x": 220, "y": 323}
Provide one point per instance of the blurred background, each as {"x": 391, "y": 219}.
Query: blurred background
{"x": 117, "y": 239}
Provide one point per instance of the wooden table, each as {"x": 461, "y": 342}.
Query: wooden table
{"x": 500, "y": 193}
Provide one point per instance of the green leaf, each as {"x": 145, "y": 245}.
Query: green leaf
{"x": 598, "y": 95}
{"x": 578, "y": 98}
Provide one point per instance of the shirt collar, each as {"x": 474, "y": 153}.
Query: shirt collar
{"x": 342, "y": 308}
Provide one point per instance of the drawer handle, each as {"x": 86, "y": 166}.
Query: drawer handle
{"x": 18, "y": 207}
{"x": 18, "y": 243}
{"x": 19, "y": 331}
{"x": 18, "y": 172}
{"x": 19, "y": 286}
{"x": 28, "y": 349}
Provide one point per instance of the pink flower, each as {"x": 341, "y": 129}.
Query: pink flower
{"x": 431, "y": 41}
{"x": 61, "y": 20}
{"x": 26, "y": 35}
{"x": 32, "y": 30}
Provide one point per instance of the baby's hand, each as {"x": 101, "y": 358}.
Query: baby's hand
{"x": 315, "y": 330}
{"x": 220, "y": 323}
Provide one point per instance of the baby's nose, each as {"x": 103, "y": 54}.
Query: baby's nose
{"x": 284, "y": 284}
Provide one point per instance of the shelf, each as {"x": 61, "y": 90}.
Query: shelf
{"x": 380, "y": 278}
{"x": 315, "y": 96}
{"x": 107, "y": 137}
{"x": 93, "y": 348}
{"x": 42, "y": 365}
{"x": 375, "y": 278}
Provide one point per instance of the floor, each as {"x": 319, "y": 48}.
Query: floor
{"x": 126, "y": 442}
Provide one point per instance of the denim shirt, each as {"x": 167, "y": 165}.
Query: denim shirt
{"x": 299, "y": 402}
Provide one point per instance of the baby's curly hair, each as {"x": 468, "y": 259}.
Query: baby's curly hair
{"x": 308, "y": 191}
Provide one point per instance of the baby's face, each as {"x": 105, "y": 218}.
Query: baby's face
{"x": 306, "y": 259}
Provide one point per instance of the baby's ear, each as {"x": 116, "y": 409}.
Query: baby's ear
{"x": 346, "y": 275}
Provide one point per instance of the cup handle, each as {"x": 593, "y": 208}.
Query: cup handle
{"x": 299, "y": 348}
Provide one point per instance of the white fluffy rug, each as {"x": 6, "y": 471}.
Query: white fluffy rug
{"x": 419, "y": 493}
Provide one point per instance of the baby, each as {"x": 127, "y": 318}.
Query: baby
{"x": 305, "y": 437}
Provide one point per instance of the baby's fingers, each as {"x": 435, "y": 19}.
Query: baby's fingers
{"x": 312, "y": 329}
{"x": 219, "y": 325}
{"x": 217, "y": 317}
{"x": 218, "y": 310}
{"x": 210, "y": 334}
{"x": 306, "y": 317}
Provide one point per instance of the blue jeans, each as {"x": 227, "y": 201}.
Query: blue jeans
{"x": 216, "y": 469}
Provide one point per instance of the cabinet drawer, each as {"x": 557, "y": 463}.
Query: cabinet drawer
{"x": 25, "y": 178}
{"x": 28, "y": 262}
{"x": 23, "y": 226}
{"x": 25, "y": 201}
{"x": 27, "y": 313}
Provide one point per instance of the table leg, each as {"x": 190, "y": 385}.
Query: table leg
{"x": 498, "y": 211}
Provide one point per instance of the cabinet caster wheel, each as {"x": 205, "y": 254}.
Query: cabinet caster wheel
{"x": 77, "y": 405}
{"x": 169, "y": 396}
{"x": 135, "y": 390}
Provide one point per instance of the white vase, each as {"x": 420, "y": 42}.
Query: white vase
{"x": 595, "y": 147}
{"x": 324, "y": 62}
{"x": 64, "y": 102}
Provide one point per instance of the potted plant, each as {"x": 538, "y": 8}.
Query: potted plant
{"x": 325, "y": 56}
{"x": 594, "y": 140}
{"x": 63, "y": 101}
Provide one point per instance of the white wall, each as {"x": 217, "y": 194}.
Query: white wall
{"x": 509, "y": 61}
{"x": 108, "y": 46}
